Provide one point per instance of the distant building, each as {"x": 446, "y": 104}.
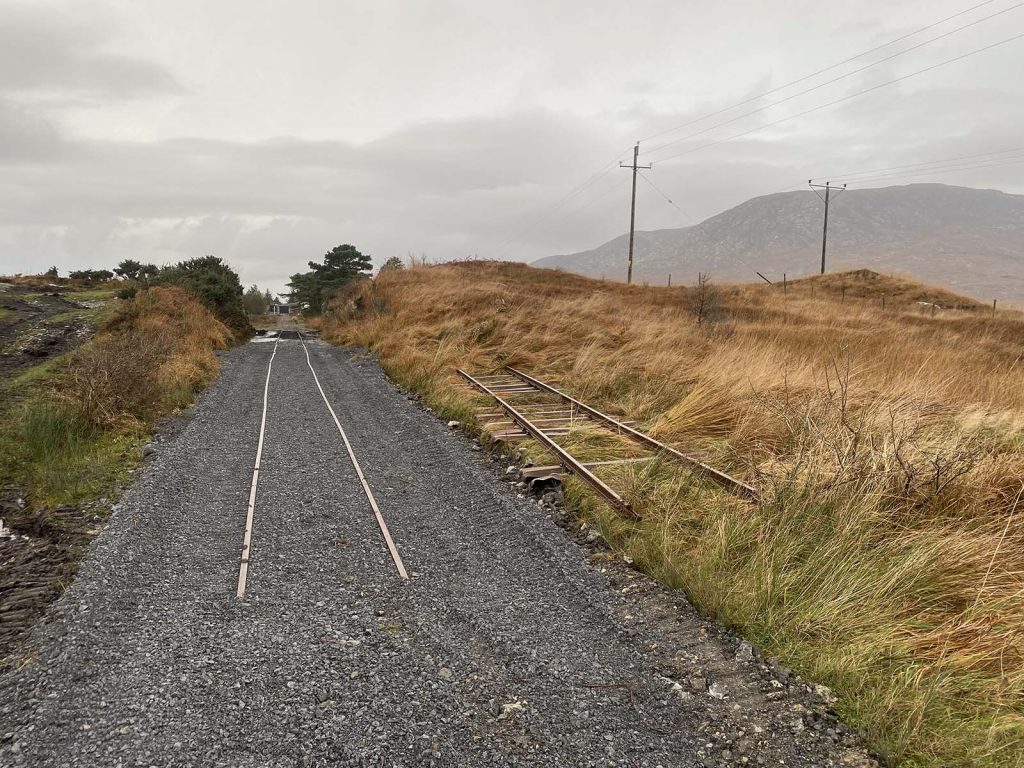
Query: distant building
{"x": 277, "y": 308}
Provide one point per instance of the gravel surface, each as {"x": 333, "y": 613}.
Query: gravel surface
{"x": 512, "y": 644}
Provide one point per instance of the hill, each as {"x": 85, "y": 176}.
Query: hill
{"x": 970, "y": 240}
{"x": 886, "y": 557}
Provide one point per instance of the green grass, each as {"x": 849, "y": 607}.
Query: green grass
{"x": 71, "y": 314}
{"x": 811, "y": 578}
{"x": 30, "y": 377}
{"x": 57, "y": 457}
{"x": 94, "y": 294}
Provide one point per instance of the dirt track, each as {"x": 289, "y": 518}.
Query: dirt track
{"x": 510, "y": 645}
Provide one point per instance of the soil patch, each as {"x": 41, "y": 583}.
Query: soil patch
{"x": 35, "y": 327}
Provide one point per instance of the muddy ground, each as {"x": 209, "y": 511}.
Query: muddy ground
{"x": 36, "y": 326}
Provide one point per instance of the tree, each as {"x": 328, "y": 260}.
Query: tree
{"x": 216, "y": 285}
{"x": 341, "y": 265}
{"x": 148, "y": 273}
{"x": 52, "y": 272}
{"x": 128, "y": 269}
{"x": 255, "y": 301}
{"x": 91, "y": 275}
{"x": 704, "y": 303}
{"x": 393, "y": 263}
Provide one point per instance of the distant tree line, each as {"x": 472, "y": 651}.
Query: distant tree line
{"x": 207, "y": 278}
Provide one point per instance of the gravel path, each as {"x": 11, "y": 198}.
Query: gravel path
{"x": 510, "y": 645}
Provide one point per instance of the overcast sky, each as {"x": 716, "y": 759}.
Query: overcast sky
{"x": 268, "y": 132}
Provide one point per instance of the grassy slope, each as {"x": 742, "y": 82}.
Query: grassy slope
{"x": 71, "y": 427}
{"x": 886, "y": 559}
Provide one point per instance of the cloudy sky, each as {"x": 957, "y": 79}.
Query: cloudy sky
{"x": 267, "y": 132}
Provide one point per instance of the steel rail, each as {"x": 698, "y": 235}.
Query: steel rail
{"x": 564, "y": 458}
{"x": 392, "y": 549}
{"x": 243, "y": 564}
{"x": 726, "y": 481}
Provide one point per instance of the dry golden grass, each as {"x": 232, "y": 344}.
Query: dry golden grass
{"x": 155, "y": 354}
{"x": 887, "y": 557}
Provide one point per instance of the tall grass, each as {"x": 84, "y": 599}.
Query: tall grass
{"x": 887, "y": 557}
{"x": 71, "y": 432}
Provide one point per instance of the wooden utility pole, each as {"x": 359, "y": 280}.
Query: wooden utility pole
{"x": 824, "y": 230}
{"x": 632, "y": 209}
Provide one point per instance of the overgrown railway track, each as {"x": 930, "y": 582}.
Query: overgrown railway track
{"x": 531, "y": 408}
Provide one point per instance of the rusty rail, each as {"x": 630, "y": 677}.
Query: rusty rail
{"x": 726, "y": 481}
{"x": 564, "y": 458}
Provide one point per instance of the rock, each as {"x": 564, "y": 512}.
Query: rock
{"x": 698, "y": 683}
{"x": 825, "y": 694}
{"x": 510, "y": 709}
{"x": 444, "y": 673}
{"x": 782, "y": 673}
{"x": 745, "y": 653}
{"x": 717, "y": 691}
{"x": 148, "y": 450}
{"x": 512, "y": 470}
{"x": 453, "y": 424}
{"x": 592, "y": 536}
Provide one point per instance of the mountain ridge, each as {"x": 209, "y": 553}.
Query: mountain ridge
{"x": 971, "y": 240}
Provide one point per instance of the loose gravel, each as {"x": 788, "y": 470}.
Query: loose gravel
{"x": 512, "y": 643}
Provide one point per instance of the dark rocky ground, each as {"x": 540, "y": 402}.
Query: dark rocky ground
{"x": 37, "y": 561}
{"x": 512, "y": 644}
{"x": 36, "y": 325}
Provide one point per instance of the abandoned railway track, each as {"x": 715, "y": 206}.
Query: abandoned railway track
{"x": 531, "y": 408}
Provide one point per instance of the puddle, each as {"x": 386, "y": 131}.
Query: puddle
{"x": 264, "y": 336}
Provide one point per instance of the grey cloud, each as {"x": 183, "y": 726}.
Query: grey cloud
{"x": 464, "y": 179}
{"x": 28, "y": 137}
{"x": 59, "y": 55}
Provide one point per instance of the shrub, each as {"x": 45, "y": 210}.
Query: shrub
{"x": 158, "y": 348}
{"x": 216, "y": 285}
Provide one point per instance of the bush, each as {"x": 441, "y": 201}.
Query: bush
{"x": 216, "y": 285}
{"x": 153, "y": 355}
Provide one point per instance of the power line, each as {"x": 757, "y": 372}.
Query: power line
{"x": 819, "y": 72}
{"x": 942, "y": 161}
{"x": 668, "y": 199}
{"x": 933, "y": 171}
{"x": 845, "y": 98}
{"x": 548, "y": 210}
{"x": 833, "y": 80}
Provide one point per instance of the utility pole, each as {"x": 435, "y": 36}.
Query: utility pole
{"x": 632, "y": 209}
{"x": 824, "y": 230}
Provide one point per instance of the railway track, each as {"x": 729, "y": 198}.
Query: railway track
{"x": 531, "y": 408}
{"x": 244, "y": 562}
